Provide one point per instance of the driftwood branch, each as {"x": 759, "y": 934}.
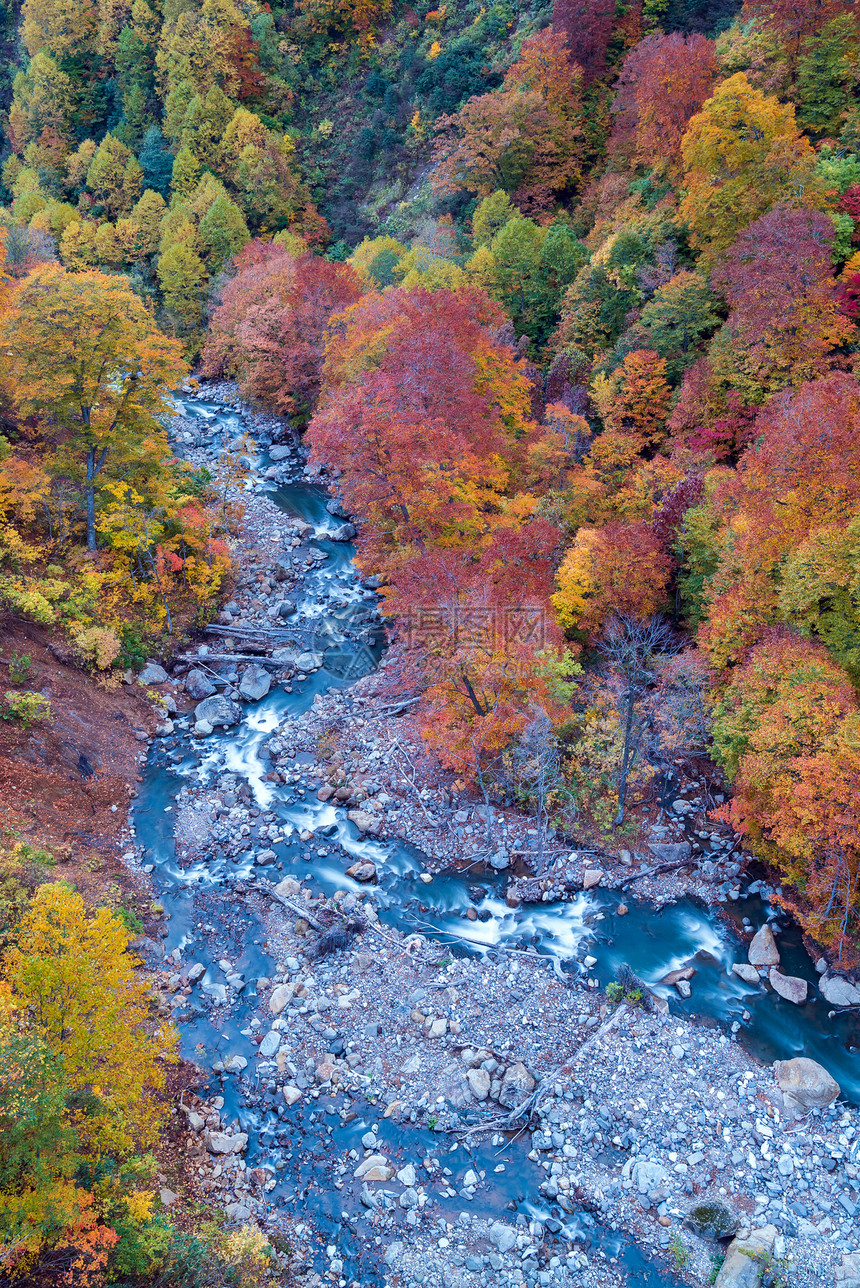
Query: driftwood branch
{"x": 281, "y": 633}
{"x": 521, "y": 1113}
{"x": 395, "y": 708}
{"x": 296, "y": 908}
{"x": 689, "y": 862}
{"x": 234, "y": 657}
{"x": 410, "y": 782}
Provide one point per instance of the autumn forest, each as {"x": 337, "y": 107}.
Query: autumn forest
{"x": 564, "y": 301}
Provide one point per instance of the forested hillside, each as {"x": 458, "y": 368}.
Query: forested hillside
{"x": 564, "y": 300}
{"x": 567, "y": 301}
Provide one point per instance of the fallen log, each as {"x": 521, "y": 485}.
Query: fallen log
{"x": 296, "y": 908}
{"x": 261, "y": 658}
{"x": 256, "y": 632}
{"x": 689, "y": 862}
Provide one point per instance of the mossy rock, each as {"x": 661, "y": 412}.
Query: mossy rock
{"x": 712, "y": 1220}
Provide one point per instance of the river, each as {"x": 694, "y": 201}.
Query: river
{"x": 652, "y": 941}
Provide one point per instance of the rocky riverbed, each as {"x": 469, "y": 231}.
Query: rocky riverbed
{"x": 395, "y": 1079}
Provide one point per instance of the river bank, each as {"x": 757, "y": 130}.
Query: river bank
{"x": 348, "y": 1083}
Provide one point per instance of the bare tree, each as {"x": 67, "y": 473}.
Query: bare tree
{"x": 537, "y": 770}
{"x": 842, "y": 896}
{"x": 631, "y": 648}
{"x": 685, "y": 713}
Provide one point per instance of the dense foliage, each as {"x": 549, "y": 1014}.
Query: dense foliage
{"x": 567, "y": 300}
{"x": 602, "y": 368}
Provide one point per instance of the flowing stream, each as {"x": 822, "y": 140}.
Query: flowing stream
{"x": 652, "y": 941}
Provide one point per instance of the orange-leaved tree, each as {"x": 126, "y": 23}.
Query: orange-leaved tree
{"x": 270, "y": 328}
{"x": 525, "y": 139}
{"x": 783, "y": 527}
{"x": 786, "y": 730}
{"x": 621, "y": 568}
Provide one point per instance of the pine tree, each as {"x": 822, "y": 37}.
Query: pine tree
{"x": 156, "y": 162}
{"x": 181, "y": 275}
{"x": 222, "y": 232}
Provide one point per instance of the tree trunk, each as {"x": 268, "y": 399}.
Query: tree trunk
{"x": 630, "y": 700}
{"x": 91, "y": 500}
{"x": 94, "y": 464}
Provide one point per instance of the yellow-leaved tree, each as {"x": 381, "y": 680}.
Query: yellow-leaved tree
{"x": 87, "y": 360}
{"x": 743, "y": 153}
{"x": 71, "y": 975}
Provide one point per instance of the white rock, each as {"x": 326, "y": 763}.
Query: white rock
{"x": 291, "y": 1094}
{"x": 479, "y": 1083}
{"x": 791, "y": 987}
{"x": 648, "y": 1175}
{"x": 219, "y": 1142}
{"x": 503, "y": 1236}
{"x": 280, "y": 997}
{"x": 368, "y": 1164}
{"x": 839, "y": 991}
{"x": 763, "y": 950}
{"x": 269, "y": 1044}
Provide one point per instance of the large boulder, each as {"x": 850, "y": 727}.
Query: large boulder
{"x": 648, "y": 1176}
{"x": 670, "y": 852}
{"x": 255, "y": 683}
{"x": 309, "y": 661}
{"x": 281, "y": 997}
{"x": 363, "y": 870}
{"x": 502, "y": 1235}
{"x": 345, "y": 532}
{"x": 363, "y": 820}
{"x": 217, "y": 710}
{"x": 712, "y": 1219}
{"x": 763, "y": 950}
{"x": 839, "y": 991}
{"x": 848, "y": 1274}
{"x": 791, "y": 987}
{"x": 219, "y": 1142}
{"x": 747, "y": 973}
{"x": 479, "y": 1083}
{"x": 152, "y": 673}
{"x": 374, "y": 1168}
{"x": 280, "y": 453}
{"x": 742, "y": 1267}
{"x": 198, "y": 685}
{"x": 517, "y": 1084}
{"x": 805, "y": 1084}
